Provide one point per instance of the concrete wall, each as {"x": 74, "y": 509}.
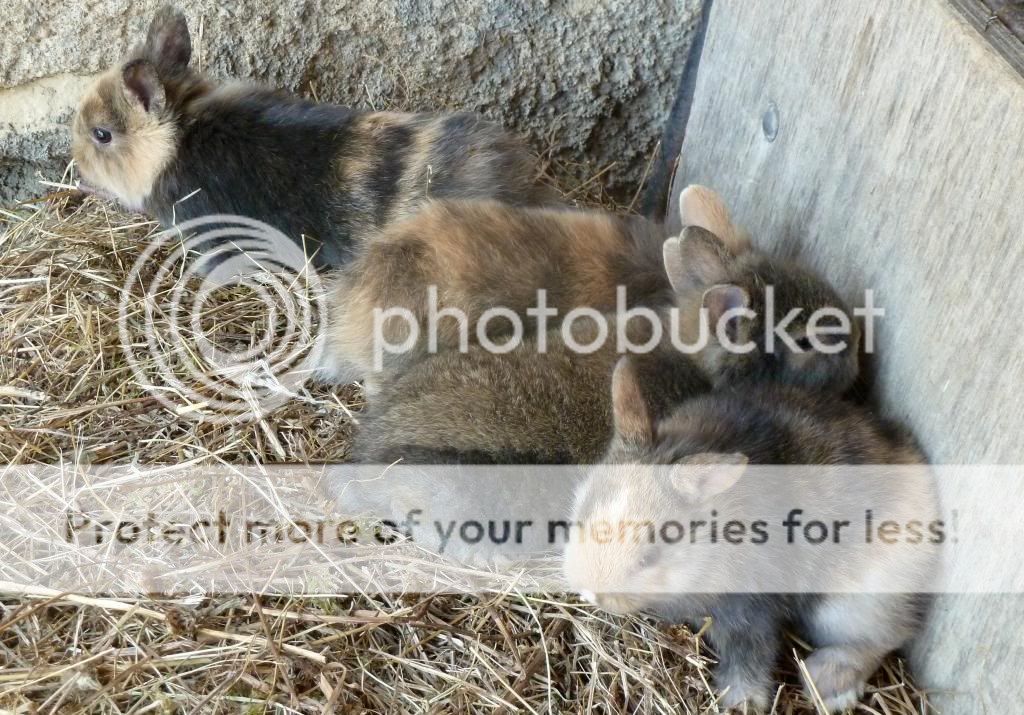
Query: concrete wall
{"x": 896, "y": 165}
{"x": 592, "y": 78}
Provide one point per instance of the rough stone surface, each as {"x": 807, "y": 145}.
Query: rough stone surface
{"x": 588, "y": 79}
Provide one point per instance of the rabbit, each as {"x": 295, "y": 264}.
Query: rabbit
{"x": 164, "y": 140}
{"x": 472, "y": 257}
{"x": 477, "y": 255}
{"x": 522, "y": 407}
{"x": 815, "y": 347}
{"x": 661, "y": 469}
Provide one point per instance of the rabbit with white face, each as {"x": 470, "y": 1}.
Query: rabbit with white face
{"x": 677, "y": 468}
{"x": 163, "y": 139}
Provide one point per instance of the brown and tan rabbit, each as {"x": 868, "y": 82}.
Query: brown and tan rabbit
{"x": 163, "y": 139}
{"x": 854, "y": 600}
{"x": 522, "y": 407}
{"x": 470, "y": 257}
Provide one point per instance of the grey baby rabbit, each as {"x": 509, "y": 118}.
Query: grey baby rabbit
{"x": 680, "y": 467}
{"x": 163, "y": 139}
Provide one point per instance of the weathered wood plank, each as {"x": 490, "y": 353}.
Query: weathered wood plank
{"x": 898, "y": 166}
{"x": 1001, "y": 22}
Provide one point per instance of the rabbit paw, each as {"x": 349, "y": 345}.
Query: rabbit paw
{"x": 742, "y": 696}
{"x": 837, "y": 676}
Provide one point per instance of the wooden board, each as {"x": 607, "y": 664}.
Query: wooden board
{"x": 1001, "y": 22}
{"x": 898, "y": 166}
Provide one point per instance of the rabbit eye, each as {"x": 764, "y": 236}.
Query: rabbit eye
{"x": 804, "y": 344}
{"x": 102, "y": 136}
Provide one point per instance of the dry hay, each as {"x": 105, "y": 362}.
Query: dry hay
{"x": 67, "y": 394}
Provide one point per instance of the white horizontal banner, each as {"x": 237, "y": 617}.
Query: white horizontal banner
{"x": 628, "y": 528}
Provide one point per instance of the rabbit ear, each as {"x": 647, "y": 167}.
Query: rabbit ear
{"x": 719, "y": 300}
{"x": 672, "y": 255}
{"x": 695, "y": 260}
{"x": 631, "y": 413}
{"x": 700, "y": 206}
{"x": 702, "y": 476}
{"x": 168, "y": 44}
{"x": 142, "y": 87}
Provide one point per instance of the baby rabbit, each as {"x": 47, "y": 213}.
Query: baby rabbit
{"x": 162, "y": 139}
{"x": 475, "y": 256}
{"x": 797, "y": 331}
{"x": 704, "y": 446}
{"x": 522, "y": 407}
{"x": 471, "y": 258}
